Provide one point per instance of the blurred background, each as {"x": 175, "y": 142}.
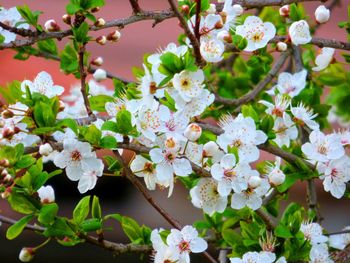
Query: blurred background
{"x": 116, "y": 194}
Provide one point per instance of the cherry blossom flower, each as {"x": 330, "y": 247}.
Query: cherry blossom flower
{"x": 322, "y": 14}
{"x": 322, "y": 148}
{"x": 279, "y": 107}
{"x": 231, "y": 176}
{"x": 340, "y": 241}
{"x": 305, "y": 116}
{"x": 11, "y": 17}
{"x": 299, "y": 33}
{"x": 231, "y": 12}
{"x": 344, "y": 136}
{"x": 163, "y": 252}
{"x": 148, "y": 122}
{"x": 207, "y": 25}
{"x": 193, "y": 132}
{"x": 91, "y": 170}
{"x": 255, "y": 257}
{"x": 14, "y": 113}
{"x": 291, "y": 84}
{"x": 256, "y": 32}
{"x": 189, "y": 84}
{"x": 212, "y": 50}
{"x": 172, "y": 125}
{"x": 205, "y": 196}
{"x": 142, "y": 167}
{"x": 336, "y": 173}
{"x": 251, "y": 197}
{"x": 323, "y": 59}
{"x": 241, "y": 133}
{"x": 13, "y": 134}
{"x": 319, "y": 254}
{"x": 185, "y": 242}
{"x": 313, "y": 233}
{"x": 274, "y": 173}
{"x": 285, "y": 130}
{"x": 43, "y": 84}
{"x": 46, "y": 194}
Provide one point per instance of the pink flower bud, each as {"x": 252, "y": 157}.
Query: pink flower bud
{"x": 26, "y": 254}
{"x": 101, "y": 40}
{"x": 97, "y": 61}
{"x": 67, "y": 19}
{"x": 281, "y": 46}
{"x": 51, "y": 26}
{"x": 100, "y": 22}
{"x": 284, "y": 11}
{"x": 193, "y": 132}
{"x": 114, "y": 36}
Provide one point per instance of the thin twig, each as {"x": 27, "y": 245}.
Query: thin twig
{"x": 135, "y": 6}
{"x": 188, "y": 32}
{"x": 269, "y": 220}
{"x": 198, "y": 20}
{"x": 83, "y": 88}
{"x": 19, "y": 31}
{"x": 262, "y": 84}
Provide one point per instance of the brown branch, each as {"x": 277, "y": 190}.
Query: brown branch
{"x": 262, "y": 84}
{"x": 269, "y": 220}
{"x": 198, "y": 20}
{"x": 135, "y": 6}
{"x": 83, "y": 88}
{"x": 19, "y": 31}
{"x": 188, "y": 32}
{"x": 298, "y": 60}
{"x": 117, "y": 248}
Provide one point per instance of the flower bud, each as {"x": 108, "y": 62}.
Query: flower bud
{"x": 62, "y": 106}
{"x": 210, "y": 148}
{"x": 4, "y": 173}
{"x": 97, "y": 61}
{"x": 224, "y": 36}
{"x": 46, "y": 194}
{"x": 6, "y": 193}
{"x": 100, "y": 75}
{"x": 101, "y": 40}
{"x": 281, "y": 46}
{"x": 193, "y": 132}
{"x": 51, "y": 26}
{"x": 185, "y": 9}
{"x": 95, "y": 9}
{"x": 284, "y": 11}
{"x": 254, "y": 181}
{"x": 211, "y": 9}
{"x": 7, "y": 114}
{"x": 67, "y": 19}
{"x": 7, "y": 133}
{"x": 100, "y": 22}
{"x": 26, "y": 254}
{"x": 277, "y": 178}
{"x": 7, "y": 178}
{"x": 114, "y": 36}
{"x": 238, "y": 9}
{"x": 45, "y": 149}
{"x": 322, "y": 14}
{"x": 4, "y": 163}
{"x": 221, "y": 1}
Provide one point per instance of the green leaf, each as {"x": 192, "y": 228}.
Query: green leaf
{"x": 59, "y": 228}
{"x": 81, "y": 33}
{"x": 171, "y": 62}
{"x": 108, "y": 142}
{"x": 69, "y": 60}
{"x": 124, "y": 122}
{"x": 48, "y": 46}
{"x": 231, "y": 237}
{"x": 48, "y": 213}
{"x": 92, "y": 224}
{"x": 21, "y": 203}
{"x": 82, "y": 210}
{"x": 131, "y": 228}
{"x": 110, "y": 126}
{"x": 92, "y": 134}
{"x": 72, "y": 8}
{"x": 283, "y": 232}
{"x": 70, "y": 123}
{"x": 98, "y": 102}
{"x": 16, "y": 229}
{"x": 25, "y": 162}
{"x": 96, "y": 208}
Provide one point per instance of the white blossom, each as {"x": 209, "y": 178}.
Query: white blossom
{"x": 256, "y": 32}
{"x": 299, "y": 33}
{"x": 319, "y": 254}
{"x": 322, "y": 14}
{"x": 205, "y": 196}
{"x": 255, "y": 257}
{"x": 304, "y": 115}
{"x": 291, "y": 84}
{"x": 274, "y": 173}
{"x": 189, "y": 84}
{"x": 46, "y": 194}
{"x": 285, "y": 130}
{"x": 340, "y": 241}
{"x": 11, "y": 17}
{"x": 212, "y": 50}
{"x": 142, "y": 167}
{"x": 100, "y": 74}
{"x": 313, "y": 233}
{"x": 324, "y": 58}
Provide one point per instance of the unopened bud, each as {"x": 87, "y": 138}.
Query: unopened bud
{"x": 4, "y": 163}
{"x": 281, "y": 46}
{"x": 6, "y": 193}
{"x": 97, "y": 61}
{"x": 193, "y": 132}
{"x": 26, "y": 254}
{"x": 67, "y": 19}
{"x": 277, "y": 178}
{"x": 254, "y": 181}
{"x": 114, "y": 36}
{"x": 45, "y": 149}
{"x": 210, "y": 149}
{"x": 7, "y": 178}
{"x": 238, "y": 9}
{"x": 46, "y": 194}
{"x": 284, "y": 11}
{"x": 224, "y": 36}
{"x": 100, "y": 22}
{"x": 185, "y": 9}
{"x": 7, "y": 114}
{"x": 101, "y": 40}
{"x": 322, "y": 14}
{"x": 51, "y": 26}
{"x": 100, "y": 75}
{"x": 62, "y": 106}
{"x": 95, "y": 9}
{"x": 7, "y": 133}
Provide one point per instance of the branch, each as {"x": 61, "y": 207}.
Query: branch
{"x": 135, "y": 6}
{"x": 269, "y": 220}
{"x": 249, "y": 4}
{"x": 262, "y": 84}
{"x": 19, "y": 31}
{"x": 188, "y": 32}
{"x": 198, "y": 20}
{"x": 83, "y": 82}
{"x": 117, "y": 248}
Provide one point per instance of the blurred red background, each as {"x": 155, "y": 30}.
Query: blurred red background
{"x": 118, "y": 196}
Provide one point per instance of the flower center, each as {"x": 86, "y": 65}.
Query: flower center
{"x": 170, "y": 157}
{"x": 237, "y": 143}
{"x": 229, "y": 173}
{"x": 258, "y": 36}
{"x": 152, "y": 87}
{"x": 148, "y": 168}
{"x": 184, "y": 246}
{"x": 76, "y": 156}
{"x": 277, "y": 112}
{"x": 322, "y": 149}
{"x": 185, "y": 83}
